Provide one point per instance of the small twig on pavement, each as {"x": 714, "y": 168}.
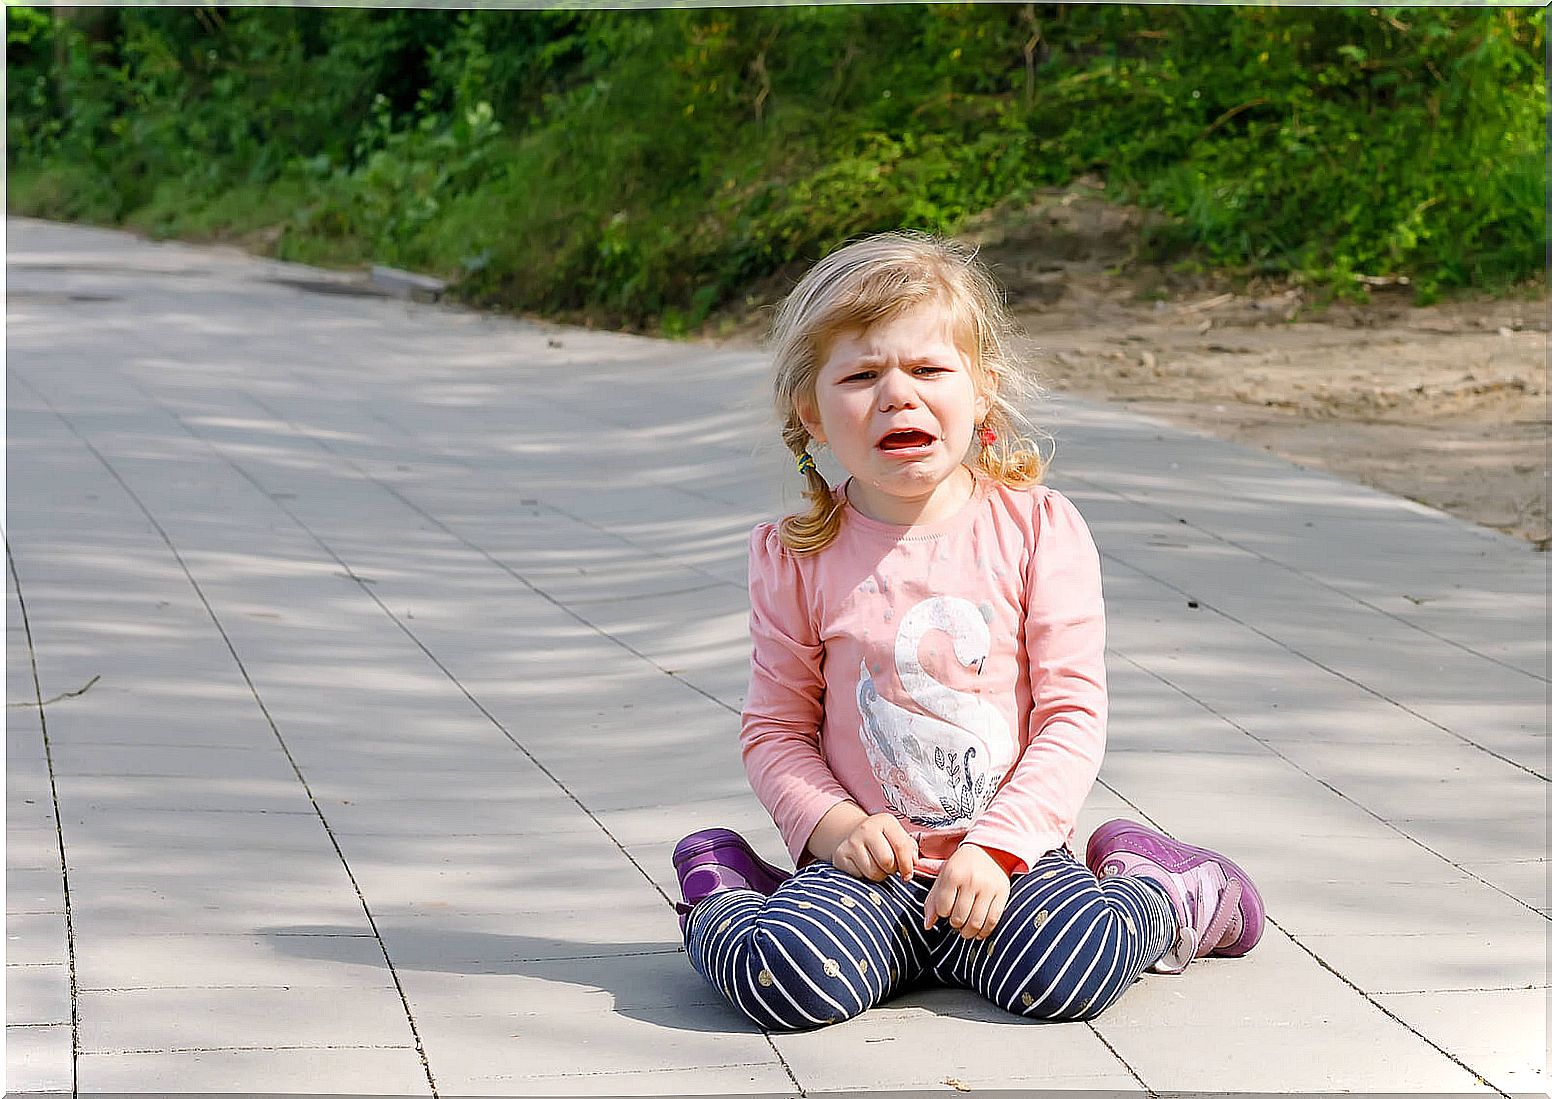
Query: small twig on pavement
{"x": 64, "y": 694}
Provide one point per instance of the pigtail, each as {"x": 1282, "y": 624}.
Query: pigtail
{"x": 813, "y": 530}
{"x": 1013, "y": 459}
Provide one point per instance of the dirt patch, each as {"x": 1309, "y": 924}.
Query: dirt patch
{"x": 1443, "y": 404}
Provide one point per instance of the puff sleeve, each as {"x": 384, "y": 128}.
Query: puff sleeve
{"x": 784, "y": 706}
{"x": 1036, "y": 808}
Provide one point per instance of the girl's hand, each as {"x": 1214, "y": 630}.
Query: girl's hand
{"x": 877, "y": 847}
{"x": 971, "y": 890}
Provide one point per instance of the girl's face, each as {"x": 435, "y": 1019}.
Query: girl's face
{"x": 897, "y": 404}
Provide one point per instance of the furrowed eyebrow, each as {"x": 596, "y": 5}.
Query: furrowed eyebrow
{"x": 869, "y": 362}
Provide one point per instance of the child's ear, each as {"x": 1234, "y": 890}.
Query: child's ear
{"x": 810, "y": 422}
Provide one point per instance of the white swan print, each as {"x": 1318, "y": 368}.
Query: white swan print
{"x": 940, "y": 770}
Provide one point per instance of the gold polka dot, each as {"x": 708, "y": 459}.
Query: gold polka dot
{"x": 804, "y": 904}
{"x": 988, "y": 947}
{"x": 894, "y": 974}
{"x": 1049, "y": 874}
{"x": 862, "y": 965}
{"x": 878, "y": 900}
{"x": 832, "y": 968}
{"x": 1080, "y": 1007}
{"x": 724, "y": 925}
{"x": 1028, "y": 1000}
{"x": 1040, "y": 918}
{"x": 1130, "y": 926}
{"x": 848, "y": 902}
{"x": 765, "y": 978}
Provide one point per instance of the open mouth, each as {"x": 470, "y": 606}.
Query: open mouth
{"x": 906, "y": 439}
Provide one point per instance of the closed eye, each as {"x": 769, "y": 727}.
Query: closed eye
{"x": 923, "y": 370}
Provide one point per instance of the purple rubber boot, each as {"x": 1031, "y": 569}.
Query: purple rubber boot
{"x": 1217, "y": 908}
{"x": 715, "y": 859}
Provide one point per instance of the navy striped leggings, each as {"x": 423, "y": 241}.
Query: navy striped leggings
{"x": 828, "y": 946}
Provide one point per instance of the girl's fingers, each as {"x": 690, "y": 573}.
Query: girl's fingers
{"x": 975, "y": 923}
{"x": 882, "y": 855}
{"x": 855, "y": 862}
{"x": 940, "y": 902}
{"x": 904, "y": 848}
{"x": 994, "y": 914}
{"x": 965, "y": 902}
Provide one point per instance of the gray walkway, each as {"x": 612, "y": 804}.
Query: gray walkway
{"x": 415, "y": 638}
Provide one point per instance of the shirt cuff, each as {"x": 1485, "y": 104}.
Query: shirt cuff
{"x": 1011, "y": 864}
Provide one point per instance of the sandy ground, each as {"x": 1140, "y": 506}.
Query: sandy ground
{"x": 1444, "y": 404}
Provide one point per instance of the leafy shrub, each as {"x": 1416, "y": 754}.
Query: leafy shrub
{"x": 641, "y": 166}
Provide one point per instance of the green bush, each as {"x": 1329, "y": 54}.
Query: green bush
{"x": 642, "y": 167}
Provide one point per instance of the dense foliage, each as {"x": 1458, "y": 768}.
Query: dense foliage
{"x": 652, "y": 164}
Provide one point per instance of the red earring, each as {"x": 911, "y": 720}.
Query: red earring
{"x": 988, "y": 436}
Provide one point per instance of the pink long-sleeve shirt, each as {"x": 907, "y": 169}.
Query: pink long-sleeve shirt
{"x": 951, "y": 673}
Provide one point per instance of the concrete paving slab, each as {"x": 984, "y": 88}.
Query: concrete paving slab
{"x": 1500, "y": 1033}
{"x": 35, "y": 938}
{"x": 37, "y": 994}
{"x": 38, "y": 1058}
{"x": 386, "y": 1070}
{"x": 151, "y": 1019}
{"x": 974, "y": 1043}
{"x": 33, "y": 890}
{"x": 1523, "y": 879}
{"x": 133, "y": 959}
{"x": 496, "y": 1049}
{"x": 756, "y": 1078}
{"x": 547, "y": 986}
{"x": 172, "y": 829}
{"x": 470, "y": 633}
{"x": 1506, "y": 955}
{"x": 34, "y": 847}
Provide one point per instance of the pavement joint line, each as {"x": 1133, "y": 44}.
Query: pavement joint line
{"x": 693, "y": 494}
{"x": 409, "y": 432}
{"x": 363, "y": 581}
{"x": 351, "y": 573}
{"x": 602, "y": 599}
{"x": 630, "y": 1071}
{"x": 59, "y": 828}
{"x": 1092, "y": 1024}
{"x": 1464, "y": 991}
{"x": 253, "y": 689}
{"x": 1313, "y": 579}
{"x": 84, "y": 742}
{"x": 597, "y": 957}
{"x": 1207, "y": 606}
{"x": 228, "y": 1049}
{"x": 1481, "y": 1077}
{"x": 564, "y": 606}
{"x": 236, "y": 988}
{"x": 185, "y": 809}
{"x": 282, "y": 505}
{"x": 1270, "y": 747}
{"x": 249, "y": 935}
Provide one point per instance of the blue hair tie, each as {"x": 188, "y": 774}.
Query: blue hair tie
{"x": 806, "y": 462}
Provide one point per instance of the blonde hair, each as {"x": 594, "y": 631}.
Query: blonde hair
{"x": 876, "y": 279}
